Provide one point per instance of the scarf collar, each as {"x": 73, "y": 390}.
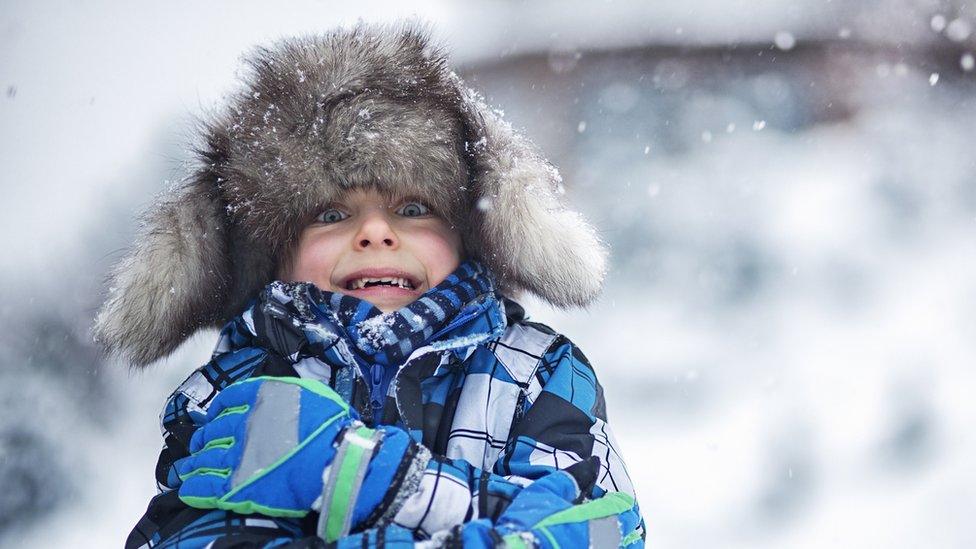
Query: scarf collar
{"x": 299, "y": 321}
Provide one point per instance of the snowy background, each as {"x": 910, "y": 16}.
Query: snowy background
{"x": 787, "y": 335}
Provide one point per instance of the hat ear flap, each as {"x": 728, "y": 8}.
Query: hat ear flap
{"x": 520, "y": 227}
{"x": 173, "y": 280}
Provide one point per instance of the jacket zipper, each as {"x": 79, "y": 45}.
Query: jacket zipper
{"x": 376, "y": 396}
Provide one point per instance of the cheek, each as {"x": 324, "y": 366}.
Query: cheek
{"x": 314, "y": 260}
{"x": 439, "y": 249}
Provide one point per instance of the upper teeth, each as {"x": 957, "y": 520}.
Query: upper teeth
{"x": 396, "y": 281}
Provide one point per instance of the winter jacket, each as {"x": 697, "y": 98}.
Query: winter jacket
{"x": 501, "y": 401}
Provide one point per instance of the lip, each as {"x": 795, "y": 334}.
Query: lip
{"x": 380, "y": 272}
{"x": 381, "y": 293}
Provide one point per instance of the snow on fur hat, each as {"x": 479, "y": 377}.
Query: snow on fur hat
{"x": 371, "y": 106}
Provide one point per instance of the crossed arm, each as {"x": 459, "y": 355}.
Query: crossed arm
{"x": 448, "y": 502}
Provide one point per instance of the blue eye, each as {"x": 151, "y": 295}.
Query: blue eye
{"x": 413, "y": 209}
{"x": 332, "y": 215}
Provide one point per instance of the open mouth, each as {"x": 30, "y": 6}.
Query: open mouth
{"x": 380, "y": 279}
{"x": 372, "y": 282}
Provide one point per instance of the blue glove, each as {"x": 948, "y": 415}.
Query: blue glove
{"x": 551, "y": 513}
{"x": 269, "y": 446}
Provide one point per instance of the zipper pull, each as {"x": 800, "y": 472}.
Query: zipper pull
{"x": 376, "y": 395}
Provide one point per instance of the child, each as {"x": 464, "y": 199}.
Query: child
{"x": 369, "y": 214}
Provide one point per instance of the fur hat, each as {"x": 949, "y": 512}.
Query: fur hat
{"x": 370, "y": 106}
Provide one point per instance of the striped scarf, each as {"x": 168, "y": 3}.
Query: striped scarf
{"x": 315, "y": 331}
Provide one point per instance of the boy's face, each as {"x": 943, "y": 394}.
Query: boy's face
{"x": 368, "y": 246}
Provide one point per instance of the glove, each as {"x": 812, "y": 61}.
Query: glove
{"x": 286, "y": 446}
{"x": 551, "y": 513}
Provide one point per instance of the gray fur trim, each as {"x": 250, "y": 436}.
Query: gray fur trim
{"x": 520, "y": 227}
{"x": 165, "y": 289}
{"x": 370, "y": 106}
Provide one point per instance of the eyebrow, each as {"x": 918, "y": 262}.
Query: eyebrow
{"x": 393, "y": 198}
{"x": 397, "y": 196}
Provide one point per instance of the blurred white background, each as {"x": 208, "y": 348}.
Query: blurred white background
{"x": 789, "y": 188}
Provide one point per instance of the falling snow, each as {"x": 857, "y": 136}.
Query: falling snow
{"x": 784, "y": 40}
{"x": 967, "y": 62}
{"x": 958, "y": 30}
{"x": 767, "y": 337}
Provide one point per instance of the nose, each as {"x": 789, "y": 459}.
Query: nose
{"x": 375, "y": 232}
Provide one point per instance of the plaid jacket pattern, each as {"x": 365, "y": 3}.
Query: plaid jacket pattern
{"x": 500, "y": 401}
